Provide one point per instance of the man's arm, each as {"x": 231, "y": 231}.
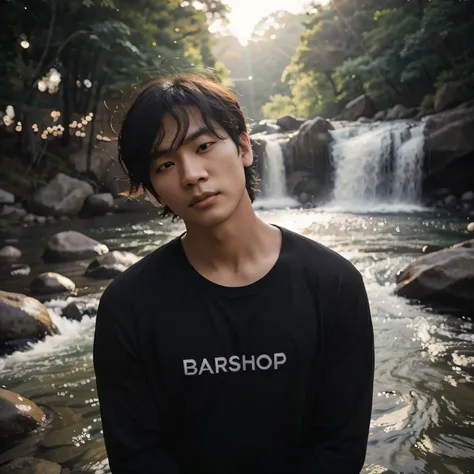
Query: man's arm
{"x": 130, "y": 420}
{"x": 344, "y": 402}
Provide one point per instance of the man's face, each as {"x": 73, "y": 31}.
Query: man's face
{"x": 203, "y": 182}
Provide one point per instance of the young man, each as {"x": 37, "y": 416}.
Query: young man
{"x": 239, "y": 347}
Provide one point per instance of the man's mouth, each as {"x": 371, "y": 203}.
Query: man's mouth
{"x": 202, "y": 197}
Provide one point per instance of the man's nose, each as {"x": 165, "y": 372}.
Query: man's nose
{"x": 193, "y": 171}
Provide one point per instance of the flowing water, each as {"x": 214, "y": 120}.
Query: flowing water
{"x": 423, "y": 411}
{"x": 273, "y": 194}
{"x": 378, "y": 165}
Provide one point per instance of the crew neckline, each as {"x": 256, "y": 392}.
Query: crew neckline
{"x": 233, "y": 291}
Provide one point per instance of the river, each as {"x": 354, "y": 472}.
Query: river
{"x": 423, "y": 412}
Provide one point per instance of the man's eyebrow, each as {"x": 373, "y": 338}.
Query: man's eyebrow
{"x": 196, "y": 134}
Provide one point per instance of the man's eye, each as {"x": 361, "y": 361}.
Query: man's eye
{"x": 165, "y": 166}
{"x": 205, "y": 146}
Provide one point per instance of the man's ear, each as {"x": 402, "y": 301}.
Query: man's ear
{"x": 246, "y": 152}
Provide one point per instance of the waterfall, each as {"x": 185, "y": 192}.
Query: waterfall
{"x": 273, "y": 187}
{"x": 378, "y": 165}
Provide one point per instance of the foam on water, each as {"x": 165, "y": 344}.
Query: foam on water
{"x": 378, "y": 167}
{"x": 72, "y": 337}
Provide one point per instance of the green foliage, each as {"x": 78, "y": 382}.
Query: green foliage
{"x": 279, "y": 106}
{"x": 395, "y": 51}
{"x": 98, "y": 49}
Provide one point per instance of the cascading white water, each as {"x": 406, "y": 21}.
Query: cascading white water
{"x": 274, "y": 183}
{"x": 378, "y": 165}
{"x": 273, "y": 189}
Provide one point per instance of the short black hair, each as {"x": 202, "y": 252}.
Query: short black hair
{"x": 142, "y": 128}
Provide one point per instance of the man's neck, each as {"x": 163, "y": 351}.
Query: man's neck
{"x": 240, "y": 239}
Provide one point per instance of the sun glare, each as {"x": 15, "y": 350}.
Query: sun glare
{"x": 246, "y": 14}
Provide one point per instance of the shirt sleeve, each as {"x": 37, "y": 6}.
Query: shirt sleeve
{"x": 345, "y": 386}
{"x": 130, "y": 420}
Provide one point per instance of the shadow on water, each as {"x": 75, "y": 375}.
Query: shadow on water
{"x": 423, "y": 413}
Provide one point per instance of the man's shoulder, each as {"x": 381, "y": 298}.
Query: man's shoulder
{"x": 149, "y": 271}
{"x": 317, "y": 258}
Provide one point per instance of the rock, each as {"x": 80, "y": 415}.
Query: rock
{"x": 307, "y": 189}
{"x": 304, "y": 197}
{"x": 40, "y": 220}
{"x": 13, "y": 212}
{"x": 99, "y": 204}
{"x": 72, "y": 245}
{"x": 470, "y": 227}
{"x": 450, "y": 200}
{"x": 400, "y": 112}
{"x": 441, "y": 192}
{"x": 29, "y": 219}
{"x": 309, "y": 150}
{"x": 138, "y": 205}
{"x": 110, "y": 265}
{"x": 467, "y": 244}
{"x": 467, "y": 196}
{"x": 289, "y": 123}
{"x": 6, "y": 197}
{"x": 20, "y": 269}
{"x": 449, "y": 149}
{"x": 9, "y": 253}
{"x": 443, "y": 278}
{"x": 362, "y": 106}
{"x": 51, "y": 283}
{"x": 18, "y": 416}
{"x": 28, "y": 465}
{"x": 22, "y": 320}
{"x": 50, "y": 220}
{"x": 449, "y": 95}
{"x": 431, "y": 248}
{"x": 62, "y": 196}
{"x": 380, "y": 115}
{"x": 75, "y": 311}
{"x": 266, "y": 127}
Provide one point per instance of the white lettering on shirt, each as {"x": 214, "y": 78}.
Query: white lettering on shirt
{"x": 234, "y": 364}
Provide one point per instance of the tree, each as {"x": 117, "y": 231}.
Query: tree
{"x": 69, "y": 56}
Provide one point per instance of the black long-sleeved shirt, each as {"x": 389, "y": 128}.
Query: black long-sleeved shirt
{"x": 272, "y": 378}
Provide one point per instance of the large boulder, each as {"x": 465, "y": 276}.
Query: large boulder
{"x": 400, "y": 112}
{"x": 449, "y": 149}
{"x": 309, "y": 150}
{"x": 13, "y": 213}
{"x": 22, "y": 319}
{"x": 6, "y": 197}
{"x": 18, "y": 416}
{"x": 450, "y": 95}
{"x": 289, "y": 123}
{"x": 62, "y": 196}
{"x": 444, "y": 278}
{"x": 72, "y": 245}
{"x": 265, "y": 127}
{"x": 99, "y": 204}
{"x": 110, "y": 265}
{"x": 29, "y": 465}
{"x": 9, "y": 253}
{"x": 52, "y": 283}
{"x": 362, "y": 106}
